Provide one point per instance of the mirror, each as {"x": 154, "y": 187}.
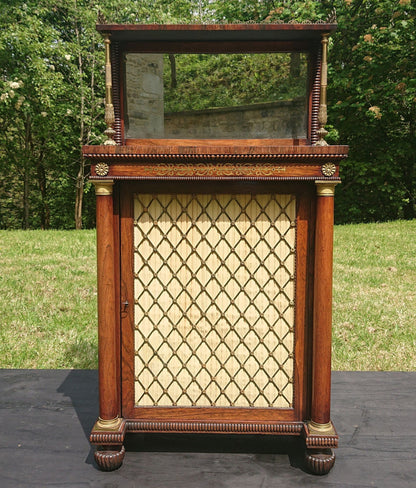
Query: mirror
{"x": 216, "y": 96}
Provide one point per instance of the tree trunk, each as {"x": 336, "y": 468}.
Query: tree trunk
{"x": 294, "y": 65}
{"x": 409, "y": 210}
{"x": 45, "y": 214}
{"x": 79, "y": 194}
{"x": 26, "y": 175}
{"x": 79, "y": 183}
{"x": 25, "y": 222}
{"x": 173, "y": 81}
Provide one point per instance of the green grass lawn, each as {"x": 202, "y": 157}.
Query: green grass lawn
{"x": 48, "y": 298}
{"x": 374, "y": 318}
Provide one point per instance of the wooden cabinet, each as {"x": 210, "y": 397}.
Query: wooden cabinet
{"x": 215, "y": 252}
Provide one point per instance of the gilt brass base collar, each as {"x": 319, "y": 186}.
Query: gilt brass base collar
{"x": 110, "y": 425}
{"x": 321, "y": 429}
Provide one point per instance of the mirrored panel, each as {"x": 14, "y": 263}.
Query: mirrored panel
{"x": 216, "y": 96}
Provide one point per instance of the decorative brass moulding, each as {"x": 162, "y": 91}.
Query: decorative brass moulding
{"x": 321, "y": 429}
{"x": 209, "y": 169}
{"x": 102, "y": 169}
{"x": 103, "y": 187}
{"x": 108, "y": 425}
{"x": 328, "y": 169}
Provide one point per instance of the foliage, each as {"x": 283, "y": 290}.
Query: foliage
{"x": 51, "y": 98}
{"x": 42, "y": 95}
{"x": 225, "y": 80}
{"x": 373, "y": 93}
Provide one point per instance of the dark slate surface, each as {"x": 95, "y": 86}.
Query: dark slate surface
{"x": 46, "y": 417}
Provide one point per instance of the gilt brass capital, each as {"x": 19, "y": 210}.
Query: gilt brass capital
{"x": 103, "y": 187}
{"x": 325, "y": 188}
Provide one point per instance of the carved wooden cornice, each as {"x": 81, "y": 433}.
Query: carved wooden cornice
{"x": 209, "y": 152}
{"x": 297, "y": 163}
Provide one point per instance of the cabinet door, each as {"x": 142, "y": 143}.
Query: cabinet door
{"x": 218, "y": 280}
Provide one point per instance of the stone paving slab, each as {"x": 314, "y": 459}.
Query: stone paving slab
{"x": 46, "y": 417}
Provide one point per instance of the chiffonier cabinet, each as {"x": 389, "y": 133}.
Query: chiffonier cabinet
{"x": 215, "y": 190}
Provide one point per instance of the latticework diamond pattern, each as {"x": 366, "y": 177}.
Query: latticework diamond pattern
{"x": 214, "y": 300}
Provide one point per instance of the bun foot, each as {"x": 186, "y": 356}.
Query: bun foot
{"x": 109, "y": 458}
{"x": 319, "y": 461}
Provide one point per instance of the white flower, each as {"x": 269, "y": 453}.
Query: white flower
{"x": 68, "y": 57}
{"x": 44, "y": 114}
{"x": 14, "y": 85}
{"x": 19, "y": 102}
{"x": 11, "y": 93}
{"x": 376, "y": 111}
{"x": 4, "y": 96}
{"x": 68, "y": 111}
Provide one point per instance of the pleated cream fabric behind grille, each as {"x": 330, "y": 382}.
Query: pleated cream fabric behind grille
{"x": 214, "y": 300}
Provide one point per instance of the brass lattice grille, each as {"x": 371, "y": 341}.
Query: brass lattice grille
{"x": 214, "y": 300}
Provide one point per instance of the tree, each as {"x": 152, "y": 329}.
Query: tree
{"x": 75, "y": 23}
{"x": 373, "y": 94}
{"x": 52, "y": 90}
{"x": 48, "y": 106}
{"x": 51, "y": 103}
{"x": 30, "y": 87}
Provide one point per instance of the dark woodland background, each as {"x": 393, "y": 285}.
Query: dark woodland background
{"x": 52, "y": 91}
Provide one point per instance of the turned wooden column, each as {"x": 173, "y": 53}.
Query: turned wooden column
{"x": 107, "y": 353}
{"x": 322, "y": 308}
